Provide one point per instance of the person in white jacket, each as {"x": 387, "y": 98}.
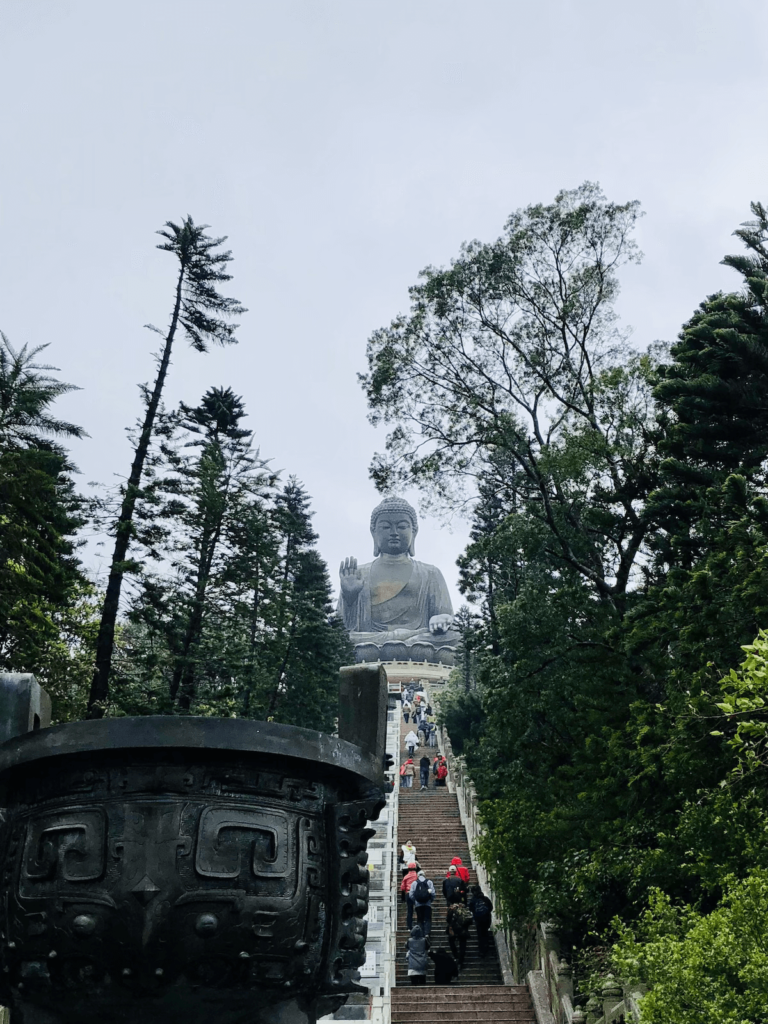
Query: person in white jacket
{"x": 411, "y": 742}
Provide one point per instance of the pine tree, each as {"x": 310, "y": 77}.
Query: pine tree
{"x": 225, "y": 463}
{"x": 309, "y": 682}
{"x": 203, "y": 315}
{"x": 294, "y": 523}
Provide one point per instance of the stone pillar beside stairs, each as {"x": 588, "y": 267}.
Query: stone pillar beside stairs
{"x": 377, "y": 974}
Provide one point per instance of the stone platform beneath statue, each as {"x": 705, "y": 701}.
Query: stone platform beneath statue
{"x": 396, "y": 650}
{"x": 413, "y": 672}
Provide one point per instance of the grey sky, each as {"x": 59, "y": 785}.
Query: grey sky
{"x": 343, "y": 146}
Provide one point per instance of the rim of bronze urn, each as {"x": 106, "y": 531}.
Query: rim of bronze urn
{"x": 197, "y": 869}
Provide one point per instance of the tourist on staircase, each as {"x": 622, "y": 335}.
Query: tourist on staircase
{"x": 422, "y": 893}
{"x": 458, "y": 921}
{"x": 422, "y": 729}
{"x": 424, "y": 772}
{"x": 411, "y": 742}
{"x": 481, "y": 909}
{"x": 407, "y": 709}
{"x": 406, "y": 855}
{"x": 446, "y": 968}
{"x": 453, "y": 887}
{"x": 477, "y": 994}
{"x": 417, "y": 948}
{"x": 407, "y": 772}
{"x": 440, "y": 771}
{"x": 405, "y": 892}
{"x": 461, "y": 871}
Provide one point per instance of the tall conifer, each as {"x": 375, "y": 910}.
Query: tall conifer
{"x": 203, "y": 315}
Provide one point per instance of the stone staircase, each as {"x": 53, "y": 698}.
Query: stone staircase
{"x": 431, "y": 820}
{"x": 428, "y": 1005}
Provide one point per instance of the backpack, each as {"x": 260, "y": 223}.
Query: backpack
{"x": 459, "y": 919}
{"x": 442, "y": 771}
{"x": 482, "y": 911}
{"x": 421, "y": 893}
{"x": 402, "y": 769}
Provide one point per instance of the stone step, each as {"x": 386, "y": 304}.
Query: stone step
{"x": 470, "y": 1011}
{"x": 506, "y": 991}
{"x": 513, "y": 1016}
{"x": 508, "y": 995}
{"x": 464, "y": 1000}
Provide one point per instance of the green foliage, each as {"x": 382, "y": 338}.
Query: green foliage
{"x": 203, "y": 315}
{"x": 701, "y": 966}
{"x": 26, "y": 392}
{"x": 743, "y": 701}
{"x": 461, "y": 712}
{"x": 46, "y": 604}
{"x": 618, "y": 552}
{"x": 235, "y": 617}
{"x": 511, "y": 365}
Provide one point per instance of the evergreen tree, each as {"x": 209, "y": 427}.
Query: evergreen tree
{"x": 236, "y": 619}
{"x": 309, "y": 683}
{"x": 203, "y": 315}
{"x": 294, "y": 523}
{"x": 45, "y": 599}
{"x": 224, "y": 463}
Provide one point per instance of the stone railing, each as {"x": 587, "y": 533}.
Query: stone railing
{"x": 535, "y": 957}
{"x": 613, "y": 1004}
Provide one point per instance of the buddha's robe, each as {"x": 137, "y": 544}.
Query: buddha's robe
{"x": 405, "y": 615}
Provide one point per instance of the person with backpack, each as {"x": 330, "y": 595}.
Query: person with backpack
{"x": 424, "y": 772}
{"x": 423, "y": 893}
{"x": 407, "y": 709}
{"x": 431, "y": 734}
{"x": 446, "y": 968}
{"x": 422, "y": 731}
{"x": 481, "y": 909}
{"x": 416, "y": 950}
{"x": 458, "y": 921}
{"x": 405, "y": 892}
{"x": 453, "y": 887}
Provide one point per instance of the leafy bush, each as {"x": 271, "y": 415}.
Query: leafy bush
{"x": 702, "y": 967}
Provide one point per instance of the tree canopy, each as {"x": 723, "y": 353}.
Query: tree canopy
{"x": 618, "y": 555}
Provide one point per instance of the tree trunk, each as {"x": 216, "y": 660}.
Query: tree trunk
{"x": 252, "y": 638}
{"x": 283, "y": 665}
{"x": 183, "y": 682}
{"x": 105, "y": 642}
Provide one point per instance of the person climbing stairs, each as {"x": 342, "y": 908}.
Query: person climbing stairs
{"x": 430, "y": 819}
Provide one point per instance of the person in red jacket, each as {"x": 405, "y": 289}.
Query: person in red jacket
{"x": 461, "y": 871}
{"x": 405, "y": 889}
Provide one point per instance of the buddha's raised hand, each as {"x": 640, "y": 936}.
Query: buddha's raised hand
{"x": 351, "y": 579}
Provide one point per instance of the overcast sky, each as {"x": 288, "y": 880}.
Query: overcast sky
{"x": 342, "y": 145}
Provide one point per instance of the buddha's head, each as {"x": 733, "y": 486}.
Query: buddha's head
{"x": 394, "y": 525}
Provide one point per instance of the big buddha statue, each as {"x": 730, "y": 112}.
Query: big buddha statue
{"x": 396, "y": 608}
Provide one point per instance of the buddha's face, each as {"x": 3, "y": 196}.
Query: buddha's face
{"x": 393, "y": 534}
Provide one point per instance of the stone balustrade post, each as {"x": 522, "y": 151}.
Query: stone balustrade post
{"x": 611, "y": 994}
